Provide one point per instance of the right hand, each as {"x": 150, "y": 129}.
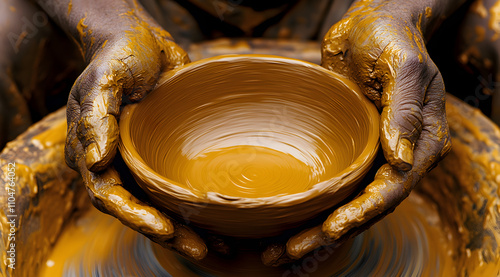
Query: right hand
{"x": 383, "y": 51}
{"x": 124, "y": 67}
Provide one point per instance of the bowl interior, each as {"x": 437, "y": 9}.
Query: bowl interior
{"x": 251, "y": 127}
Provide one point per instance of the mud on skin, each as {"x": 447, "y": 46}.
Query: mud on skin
{"x": 381, "y": 45}
{"x": 387, "y": 57}
{"x": 125, "y": 52}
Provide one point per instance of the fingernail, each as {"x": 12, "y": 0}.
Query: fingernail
{"x": 93, "y": 156}
{"x": 404, "y": 155}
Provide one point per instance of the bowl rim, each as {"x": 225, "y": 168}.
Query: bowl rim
{"x": 160, "y": 183}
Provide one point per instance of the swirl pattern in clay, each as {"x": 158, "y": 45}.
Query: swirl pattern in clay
{"x": 257, "y": 144}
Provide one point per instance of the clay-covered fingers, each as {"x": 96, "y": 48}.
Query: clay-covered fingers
{"x": 92, "y": 112}
{"x": 100, "y": 95}
{"x": 388, "y": 60}
{"x": 108, "y": 195}
{"x": 297, "y": 246}
{"x": 126, "y": 70}
{"x": 402, "y": 102}
{"x": 389, "y": 188}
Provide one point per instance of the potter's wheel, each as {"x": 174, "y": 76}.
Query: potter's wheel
{"x": 448, "y": 227}
{"x": 404, "y": 243}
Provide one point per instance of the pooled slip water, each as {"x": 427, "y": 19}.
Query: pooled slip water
{"x": 246, "y": 171}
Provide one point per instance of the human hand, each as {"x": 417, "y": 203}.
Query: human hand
{"x": 384, "y": 52}
{"x": 125, "y": 65}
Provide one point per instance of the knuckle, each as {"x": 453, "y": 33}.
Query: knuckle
{"x": 95, "y": 199}
{"x": 334, "y": 42}
{"x": 413, "y": 64}
{"x": 413, "y": 60}
{"x": 408, "y": 117}
{"x": 446, "y": 147}
{"x": 337, "y": 30}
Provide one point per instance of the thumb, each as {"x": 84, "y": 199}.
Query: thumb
{"x": 401, "y": 119}
{"x": 99, "y": 91}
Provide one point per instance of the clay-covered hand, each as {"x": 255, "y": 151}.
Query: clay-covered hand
{"x": 124, "y": 65}
{"x": 381, "y": 47}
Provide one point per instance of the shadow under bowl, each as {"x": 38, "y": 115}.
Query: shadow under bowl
{"x": 249, "y": 145}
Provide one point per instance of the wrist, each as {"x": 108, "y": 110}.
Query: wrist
{"x": 426, "y": 16}
{"x": 95, "y": 25}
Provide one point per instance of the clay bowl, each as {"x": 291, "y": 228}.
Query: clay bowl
{"x": 249, "y": 145}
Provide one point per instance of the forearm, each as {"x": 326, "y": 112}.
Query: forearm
{"x": 426, "y": 15}
{"x": 91, "y": 23}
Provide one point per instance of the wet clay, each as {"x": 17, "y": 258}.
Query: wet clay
{"x": 452, "y": 217}
{"x": 45, "y": 193}
{"x": 447, "y": 227}
{"x": 270, "y": 141}
{"x": 409, "y": 241}
{"x": 470, "y": 174}
{"x": 246, "y": 171}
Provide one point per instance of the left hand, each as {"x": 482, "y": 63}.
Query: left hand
{"x": 382, "y": 49}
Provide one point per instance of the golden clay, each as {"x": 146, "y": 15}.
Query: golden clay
{"x": 245, "y": 171}
{"x": 46, "y": 194}
{"x": 447, "y": 227}
{"x": 412, "y": 239}
{"x": 315, "y": 134}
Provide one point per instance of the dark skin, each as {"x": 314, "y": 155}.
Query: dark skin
{"x": 379, "y": 44}
{"x": 115, "y": 75}
{"x": 26, "y": 58}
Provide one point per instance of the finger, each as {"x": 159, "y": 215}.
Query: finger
{"x": 305, "y": 242}
{"x": 435, "y": 140}
{"x": 402, "y": 103}
{"x": 391, "y": 186}
{"x": 188, "y": 243}
{"x": 110, "y": 197}
{"x": 275, "y": 255}
{"x": 297, "y": 246}
{"x": 346, "y": 221}
{"x": 100, "y": 91}
{"x": 386, "y": 191}
{"x": 334, "y": 48}
{"x": 72, "y": 115}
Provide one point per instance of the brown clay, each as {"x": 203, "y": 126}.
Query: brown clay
{"x": 447, "y": 227}
{"x": 250, "y": 145}
{"x": 45, "y": 193}
{"x": 452, "y": 217}
{"x": 403, "y": 243}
